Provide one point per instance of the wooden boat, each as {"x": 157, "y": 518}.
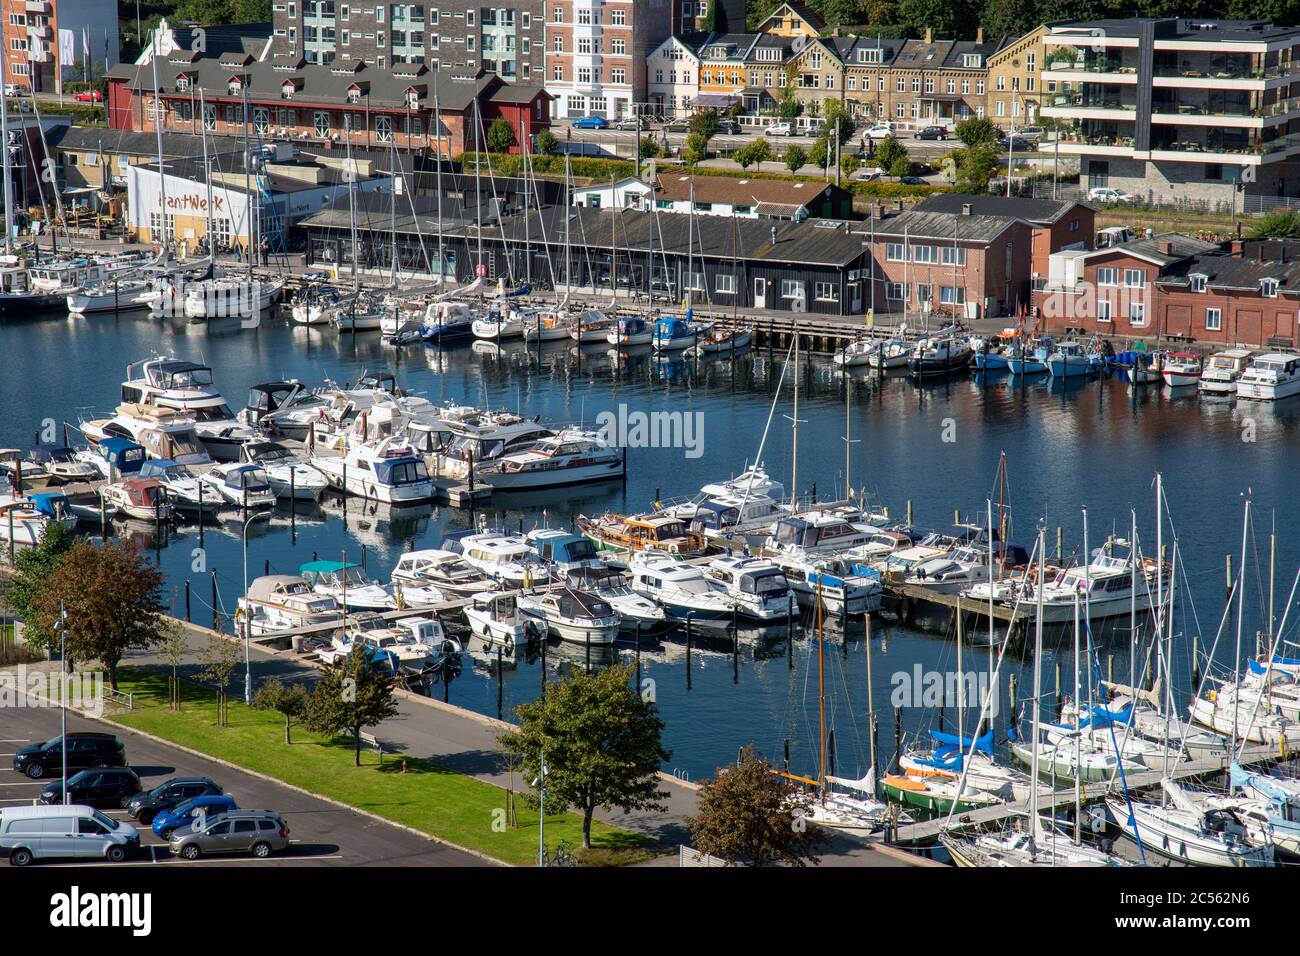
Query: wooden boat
{"x": 630, "y": 533}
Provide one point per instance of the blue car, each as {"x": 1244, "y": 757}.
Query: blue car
{"x": 590, "y": 122}
{"x": 183, "y": 814}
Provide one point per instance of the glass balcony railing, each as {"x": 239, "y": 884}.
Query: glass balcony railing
{"x": 1092, "y": 65}
{"x": 1211, "y": 108}
{"x": 1222, "y": 70}
{"x": 1083, "y": 101}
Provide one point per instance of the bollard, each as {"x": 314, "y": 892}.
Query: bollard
{"x": 215, "y": 621}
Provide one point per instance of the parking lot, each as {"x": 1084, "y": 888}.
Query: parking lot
{"x": 321, "y": 834}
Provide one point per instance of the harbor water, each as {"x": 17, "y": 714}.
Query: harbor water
{"x": 1096, "y": 445}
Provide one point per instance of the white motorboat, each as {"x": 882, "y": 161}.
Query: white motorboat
{"x": 817, "y": 531}
{"x": 569, "y": 457}
{"x": 280, "y": 602}
{"x": 681, "y": 589}
{"x": 484, "y": 438}
{"x": 495, "y": 617}
{"x": 445, "y": 570}
{"x": 188, "y": 389}
{"x": 1188, "y": 833}
{"x": 230, "y": 297}
{"x": 57, "y": 462}
{"x": 184, "y": 487}
{"x": 242, "y": 485}
{"x": 140, "y": 498}
{"x": 506, "y": 558}
{"x": 162, "y": 433}
{"x": 1221, "y": 372}
{"x": 386, "y": 471}
{"x": 757, "y": 587}
{"x": 348, "y": 584}
{"x": 1181, "y": 368}
{"x": 636, "y": 611}
{"x": 1270, "y": 377}
{"x": 290, "y": 477}
{"x": 573, "y": 615}
{"x": 22, "y": 524}
{"x": 844, "y": 586}
{"x": 418, "y": 643}
{"x": 1107, "y": 580}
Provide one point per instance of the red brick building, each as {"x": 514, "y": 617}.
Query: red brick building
{"x": 318, "y": 105}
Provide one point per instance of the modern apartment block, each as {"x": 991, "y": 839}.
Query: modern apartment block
{"x": 34, "y": 56}
{"x": 1177, "y": 109}
{"x": 596, "y": 53}
{"x": 453, "y": 37}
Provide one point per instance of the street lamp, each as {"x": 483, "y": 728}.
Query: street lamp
{"x": 63, "y": 696}
{"x": 540, "y": 782}
{"x": 243, "y": 623}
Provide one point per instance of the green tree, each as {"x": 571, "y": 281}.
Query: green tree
{"x": 602, "y": 744}
{"x": 287, "y": 700}
{"x": 796, "y": 157}
{"x": 174, "y": 648}
{"x": 822, "y": 153}
{"x": 837, "y": 121}
{"x": 849, "y": 163}
{"x": 976, "y": 129}
{"x": 252, "y": 11}
{"x": 889, "y": 152}
{"x": 750, "y": 814}
{"x": 349, "y": 698}
{"x": 1278, "y": 224}
{"x": 695, "y": 149}
{"x": 33, "y": 567}
{"x": 976, "y": 165}
{"x": 218, "y": 661}
{"x": 704, "y": 123}
{"x": 113, "y": 598}
{"x": 648, "y": 148}
{"x": 546, "y": 143}
{"x": 789, "y": 108}
{"x": 753, "y": 153}
{"x": 939, "y": 15}
{"x": 500, "y": 135}
{"x": 901, "y": 166}
{"x": 1015, "y": 18}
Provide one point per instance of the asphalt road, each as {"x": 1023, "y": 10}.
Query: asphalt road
{"x": 321, "y": 833}
{"x": 609, "y": 138}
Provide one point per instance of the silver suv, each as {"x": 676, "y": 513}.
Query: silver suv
{"x": 259, "y": 832}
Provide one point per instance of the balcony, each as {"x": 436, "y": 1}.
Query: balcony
{"x": 1089, "y": 105}
{"x": 39, "y": 32}
{"x": 1071, "y": 66}
{"x": 37, "y": 6}
{"x": 1091, "y": 137}
{"x": 1232, "y": 108}
{"x": 1229, "y": 71}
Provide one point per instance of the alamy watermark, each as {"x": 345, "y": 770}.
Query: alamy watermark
{"x": 919, "y": 687}
{"x": 623, "y": 428}
{"x": 40, "y": 688}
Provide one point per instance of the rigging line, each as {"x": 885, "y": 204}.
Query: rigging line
{"x": 1268, "y": 668}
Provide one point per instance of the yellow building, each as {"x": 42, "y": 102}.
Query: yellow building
{"x": 1016, "y": 89}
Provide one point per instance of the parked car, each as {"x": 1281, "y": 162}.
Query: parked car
{"x": 76, "y": 830}
{"x": 145, "y": 806}
{"x": 1030, "y": 132}
{"x": 108, "y": 787}
{"x": 13, "y": 89}
{"x": 84, "y": 750}
{"x": 677, "y": 126}
{"x": 1105, "y": 194}
{"x": 1018, "y": 144}
{"x": 779, "y": 129}
{"x": 259, "y": 832}
{"x": 166, "y": 822}
{"x": 590, "y": 122}
{"x": 88, "y": 96}
{"x": 867, "y": 174}
{"x": 912, "y": 181}
{"x": 933, "y": 132}
{"x": 630, "y": 123}
{"x": 878, "y": 131}
{"x": 729, "y": 127}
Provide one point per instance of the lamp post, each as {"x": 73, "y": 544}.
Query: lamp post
{"x": 540, "y": 782}
{"x": 243, "y": 623}
{"x": 63, "y": 697}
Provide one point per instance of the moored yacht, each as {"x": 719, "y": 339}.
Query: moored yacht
{"x": 385, "y": 471}
{"x": 1219, "y": 377}
{"x": 245, "y": 486}
{"x": 188, "y": 388}
{"x": 569, "y": 457}
{"x": 447, "y": 571}
{"x": 756, "y": 586}
{"x": 573, "y": 615}
{"x": 506, "y": 558}
{"x": 682, "y": 589}
{"x": 279, "y": 602}
{"x": 1270, "y": 377}
{"x": 290, "y": 477}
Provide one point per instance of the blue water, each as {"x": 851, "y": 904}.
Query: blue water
{"x": 1095, "y": 445}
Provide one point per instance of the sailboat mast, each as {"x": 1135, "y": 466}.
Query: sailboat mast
{"x": 392, "y": 206}
{"x": 1132, "y": 597}
{"x": 1078, "y": 731}
{"x": 961, "y": 683}
{"x": 568, "y": 222}
{"x": 352, "y": 211}
{"x": 157, "y": 129}
{"x": 4, "y": 144}
{"x": 988, "y": 504}
{"x": 1241, "y": 606}
{"x": 478, "y": 181}
{"x": 248, "y": 194}
{"x": 1038, "y": 689}
{"x": 1169, "y": 657}
{"x": 1160, "y": 553}
{"x": 794, "y": 421}
{"x": 212, "y": 253}
{"x": 821, "y": 693}
{"x": 437, "y": 120}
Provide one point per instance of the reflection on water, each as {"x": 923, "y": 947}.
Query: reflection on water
{"x": 1069, "y": 445}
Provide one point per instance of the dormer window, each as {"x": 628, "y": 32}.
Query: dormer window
{"x": 354, "y": 95}
{"x": 234, "y": 86}
{"x": 182, "y": 83}
{"x": 869, "y": 56}
{"x": 1197, "y": 281}
{"x": 287, "y": 89}
{"x": 972, "y": 60}
{"x": 1268, "y": 288}
{"x": 412, "y": 99}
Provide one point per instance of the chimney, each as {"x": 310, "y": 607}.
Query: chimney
{"x": 1165, "y": 247}
{"x": 929, "y": 34}
{"x": 774, "y": 235}
{"x": 965, "y": 209}
{"x": 979, "y": 35}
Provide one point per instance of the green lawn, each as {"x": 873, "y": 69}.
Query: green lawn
{"x": 427, "y": 797}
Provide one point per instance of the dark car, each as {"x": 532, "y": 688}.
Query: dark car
{"x": 84, "y": 750}
{"x": 913, "y": 181}
{"x": 729, "y": 127}
{"x": 145, "y": 806}
{"x": 933, "y": 132}
{"x": 677, "y": 126}
{"x": 104, "y": 787}
{"x": 1018, "y": 144}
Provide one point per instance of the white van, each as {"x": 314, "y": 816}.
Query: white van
{"x": 50, "y": 832}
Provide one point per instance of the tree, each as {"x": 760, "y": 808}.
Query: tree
{"x": 500, "y": 135}
{"x": 796, "y": 158}
{"x": 941, "y": 15}
{"x": 900, "y": 167}
{"x": 976, "y": 165}
{"x": 849, "y": 163}
{"x": 748, "y": 813}
{"x": 837, "y": 121}
{"x": 649, "y": 149}
{"x": 287, "y": 700}
{"x": 1015, "y": 18}
{"x": 975, "y": 130}
{"x": 789, "y": 108}
{"x": 174, "y": 646}
{"x": 351, "y": 696}
{"x": 547, "y": 144}
{"x": 1278, "y": 224}
{"x": 112, "y": 595}
{"x": 755, "y": 152}
{"x": 601, "y": 742}
{"x": 889, "y": 152}
{"x": 704, "y": 123}
{"x": 218, "y": 662}
{"x": 822, "y": 153}
{"x": 33, "y": 567}
{"x": 695, "y": 149}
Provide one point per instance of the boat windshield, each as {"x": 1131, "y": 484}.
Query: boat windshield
{"x": 693, "y": 586}
{"x": 210, "y": 413}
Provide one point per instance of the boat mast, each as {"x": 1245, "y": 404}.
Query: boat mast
{"x": 1132, "y": 598}
{"x": 1241, "y": 603}
{"x": 1160, "y": 559}
{"x": 248, "y": 195}
{"x": 212, "y": 252}
{"x": 352, "y": 211}
{"x": 478, "y": 184}
{"x": 4, "y": 144}
{"x": 794, "y": 422}
{"x": 392, "y": 195}
{"x": 157, "y": 128}
{"x": 988, "y": 504}
{"x": 568, "y": 222}
{"x": 1169, "y": 657}
{"x": 1078, "y": 731}
{"x": 437, "y": 119}
{"x": 821, "y": 692}
{"x": 1038, "y": 682}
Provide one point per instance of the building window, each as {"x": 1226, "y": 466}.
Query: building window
{"x": 1197, "y": 282}
{"x": 791, "y": 289}
{"x": 261, "y": 119}
{"x": 209, "y": 117}
{"x": 321, "y": 123}
{"x": 826, "y": 292}
{"x": 384, "y": 129}
{"x": 1107, "y": 276}
{"x": 694, "y": 281}
{"x": 953, "y": 255}
{"x": 1213, "y": 320}
{"x": 952, "y": 295}
{"x": 1268, "y": 288}
{"x": 894, "y": 252}
{"x": 925, "y": 254}
{"x": 897, "y": 291}
{"x": 1137, "y": 313}
{"x": 725, "y": 283}
{"x": 1135, "y": 278}
{"x": 1103, "y": 310}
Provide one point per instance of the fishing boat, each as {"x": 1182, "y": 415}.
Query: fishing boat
{"x": 1072, "y": 360}
{"x": 573, "y": 615}
{"x": 569, "y": 457}
{"x": 140, "y": 498}
{"x": 939, "y": 355}
{"x": 445, "y": 570}
{"x": 1181, "y": 369}
{"x": 757, "y": 587}
{"x": 289, "y": 476}
{"x": 1221, "y": 372}
{"x": 1138, "y": 367}
{"x": 495, "y": 617}
{"x": 994, "y": 354}
{"x": 1270, "y": 377}
{"x": 680, "y": 588}
{"x": 638, "y": 612}
{"x": 636, "y": 533}
{"x": 1030, "y": 358}
{"x": 673, "y": 335}
{"x": 242, "y": 485}
{"x": 629, "y": 331}
{"x": 386, "y": 471}
{"x": 281, "y": 602}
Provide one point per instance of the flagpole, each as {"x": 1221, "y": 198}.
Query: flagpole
{"x": 63, "y": 696}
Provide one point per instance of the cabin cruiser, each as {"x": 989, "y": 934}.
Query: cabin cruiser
{"x": 23, "y": 524}
{"x": 242, "y": 485}
{"x": 757, "y": 587}
{"x": 187, "y": 388}
{"x": 184, "y": 488}
{"x": 447, "y": 321}
{"x": 51, "y": 283}
{"x": 508, "y": 559}
{"x": 495, "y": 617}
{"x": 490, "y": 436}
{"x": 637, "y": 533}
{"x": 1270, "y": 377}
{"x": 140, "y": 498}
{"x": 963, "y": 567}
{"x": 289, "y": 476}
{"x": 817, "y": 531}
{"x": 281, "y": 602}
{"x": 843, "y": 585}
{"x": 386, "y": 471}
{"x": 447, "y": 571}
{"x": 1221, "y": 372}
{"x": 1107, "y": 583}
{"x": 348, "y": 584}
{"x": 569, "y": 457}
{"x": 115, "y": 457}
{"x": 1181, "y": 368}
{"x": 283, "y": 408}
{"x": 59, "y": 463}
{"x": 682, "y": 589}
{"x": 573, "y": 615}
{"x": 562, "y": 551}
{"x": 162, "y": 432}
{"x": 615, "y": 587}
{"x": 723, "y": 517}
{"x": 751, "y": 481}
{"x": 417, "y": 643}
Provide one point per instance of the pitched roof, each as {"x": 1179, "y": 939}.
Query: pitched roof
{"x": 676, "y": 187}
{"x": 944, "y": 226}
{"x": 1018, "y": 207}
